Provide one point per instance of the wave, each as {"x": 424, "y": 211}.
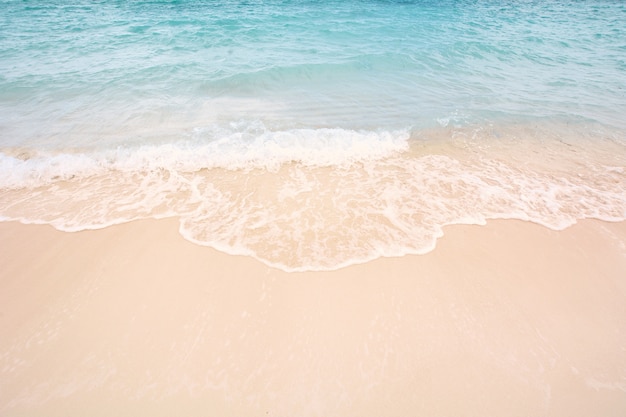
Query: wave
{"x": 322, "y": 199}
{"x": 240, "y": 145}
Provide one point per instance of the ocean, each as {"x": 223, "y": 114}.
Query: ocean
{"x": 312, "y": 135}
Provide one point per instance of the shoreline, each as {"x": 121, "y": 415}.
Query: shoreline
{"x": 510, "y": 318}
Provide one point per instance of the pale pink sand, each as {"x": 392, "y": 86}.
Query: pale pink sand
{"x": 508, "y": 319}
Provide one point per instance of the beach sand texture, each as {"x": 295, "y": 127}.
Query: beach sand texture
{"x": 507, "y": 319}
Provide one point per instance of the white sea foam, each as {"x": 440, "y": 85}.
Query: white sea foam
{"x": 319, "y": 200}
{"x": 236, "y": 147}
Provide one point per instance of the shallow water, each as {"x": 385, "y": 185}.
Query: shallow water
{"x": 312, "y": 135}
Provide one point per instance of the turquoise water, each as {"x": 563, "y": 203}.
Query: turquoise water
{"x": 310, "y": 134}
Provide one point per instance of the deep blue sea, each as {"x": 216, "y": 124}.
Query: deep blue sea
{"x": 312, "y": 134}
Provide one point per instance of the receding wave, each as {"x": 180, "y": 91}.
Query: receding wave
{"x": 320, "y": 199}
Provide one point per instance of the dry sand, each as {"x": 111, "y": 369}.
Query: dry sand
{"x": 508, "y": 319}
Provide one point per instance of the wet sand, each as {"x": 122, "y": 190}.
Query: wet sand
{"x": 507, "y": 319}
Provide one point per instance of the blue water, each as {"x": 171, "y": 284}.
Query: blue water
{"x": 337, "y": 131}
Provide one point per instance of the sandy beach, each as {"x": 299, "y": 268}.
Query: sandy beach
{"x": 300, "y": 208}
{"x": 507, "y": 319}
